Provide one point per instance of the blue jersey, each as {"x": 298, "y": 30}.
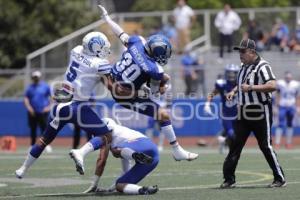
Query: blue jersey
{"x": 39, "y": 96}
{"x": 229, "y": 108}
{"x": 135, "y": 67}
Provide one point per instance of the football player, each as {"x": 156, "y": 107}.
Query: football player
{"x": 88, "y": 63}
{"x": 287, "y": 99}
{"x": 228, "y": 110}
{"x": 128, "y": 145}
{"x": 141, "y": 63}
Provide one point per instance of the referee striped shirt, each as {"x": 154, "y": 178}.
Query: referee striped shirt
{"x": 257, "y": 73}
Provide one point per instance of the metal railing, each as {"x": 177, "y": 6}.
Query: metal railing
{"x": 53, "y": 58}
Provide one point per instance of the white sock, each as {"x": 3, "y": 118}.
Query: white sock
{"x": 131, "y": 189}
{"x": 149, "y": 133}
{"x": 168, "y": 131}
{"x": 289, "y": 135}
{"x": 161, "y": 138}
{"x": 28, "y": 161}
{"x": 85, "y": 149}
{"x": 278, "y": 134}
{"x": 126, "y": 165}
{"x": 126, "y": 153}
{"x": 96, "y": 179}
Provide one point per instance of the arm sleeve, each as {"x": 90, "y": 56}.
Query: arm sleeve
{"x": 217, "y": 86}
{"x": 27, "y": 93}
{"x": 156, "y": 71}
{"x": 266, "y": 74}
{"x": 191, "y": 12}
{"x": 104, "y": 68}
{"x": 218, "y": 20}
{"x": 117, "y": 30}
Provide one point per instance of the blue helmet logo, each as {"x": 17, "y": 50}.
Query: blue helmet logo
{"x": 95, "y": 40}
{"x": 159, "y": 48}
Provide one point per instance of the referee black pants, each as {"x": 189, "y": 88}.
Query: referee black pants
{"x": 256, "y": 119}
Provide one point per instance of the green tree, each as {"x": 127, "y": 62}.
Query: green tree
{"x": 26, "y": 25}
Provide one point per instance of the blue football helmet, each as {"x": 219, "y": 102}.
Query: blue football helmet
{"x": 159, "y": 48}
{"x": 231, "y": 72}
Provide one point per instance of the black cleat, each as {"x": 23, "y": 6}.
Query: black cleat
{"x": 227, "y": 185}
{"x": 277, "y": 183}
{"x": 148, "y": 190}
{"x": 142, "y": 158}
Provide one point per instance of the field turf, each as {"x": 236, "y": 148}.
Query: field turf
{"x": 54, "y": 177}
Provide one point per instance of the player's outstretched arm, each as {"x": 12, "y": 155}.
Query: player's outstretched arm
{"x": 114, "y": 26}
{"x": 100, "y": 166}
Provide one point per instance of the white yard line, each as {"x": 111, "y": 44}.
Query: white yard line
{"x": 161, "y": 189}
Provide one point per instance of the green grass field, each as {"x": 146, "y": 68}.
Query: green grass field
{"x": 54, "y": 177}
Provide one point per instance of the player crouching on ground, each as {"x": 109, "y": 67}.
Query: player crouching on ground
{"x": 128, "y": 145}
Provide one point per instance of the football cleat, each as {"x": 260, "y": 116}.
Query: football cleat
{"x": 180, "y": 154}
{"x": 20, "y": 172}
{"x": 77, "y": 157}
{"x": 148, "y": 190}
{"x": 48, "y": 149}
{"x": 91, "y": 189}
{"x": 227, "y": 185}
{"x": 277, "y": 183}
{"x": 142, "y": 158}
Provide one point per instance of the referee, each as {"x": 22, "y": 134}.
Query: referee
{"x": 255, "y": 82}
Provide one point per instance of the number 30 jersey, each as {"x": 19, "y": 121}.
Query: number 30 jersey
{"x": 136, "y": 67}
{"x": 84, "y": 72}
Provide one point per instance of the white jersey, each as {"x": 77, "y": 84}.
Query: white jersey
{"x": 288, "y": 92}
{"x": 120, "y": 133}
{"x": 84, "y": 72}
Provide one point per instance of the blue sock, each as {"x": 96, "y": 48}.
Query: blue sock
{"x": 36, "y": 150}
{"x": 97, "y": 142}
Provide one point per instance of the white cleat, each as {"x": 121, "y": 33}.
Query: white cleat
{"x": 48, "y": 149}
{"x": 78, "y": 159}
{"x": 160, "y": 148}
{"x": 20, "y": 172}
{"x": 180, "y": 154}
{"x": 91, "y": 189}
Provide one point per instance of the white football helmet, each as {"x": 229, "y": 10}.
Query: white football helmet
{"x": 96, "y": 44}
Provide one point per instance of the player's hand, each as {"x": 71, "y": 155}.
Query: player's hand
{"x": 163, "y": 89}
{"x": 103, "y": 11}
{"x": 91, "y": 189}
{"x": 207, "y": 108}
{"x": 230, "y": 95}
{"x": 46, "y": 109}
{"x": 245, "y": 87}
{"x": 111, "y": 188}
